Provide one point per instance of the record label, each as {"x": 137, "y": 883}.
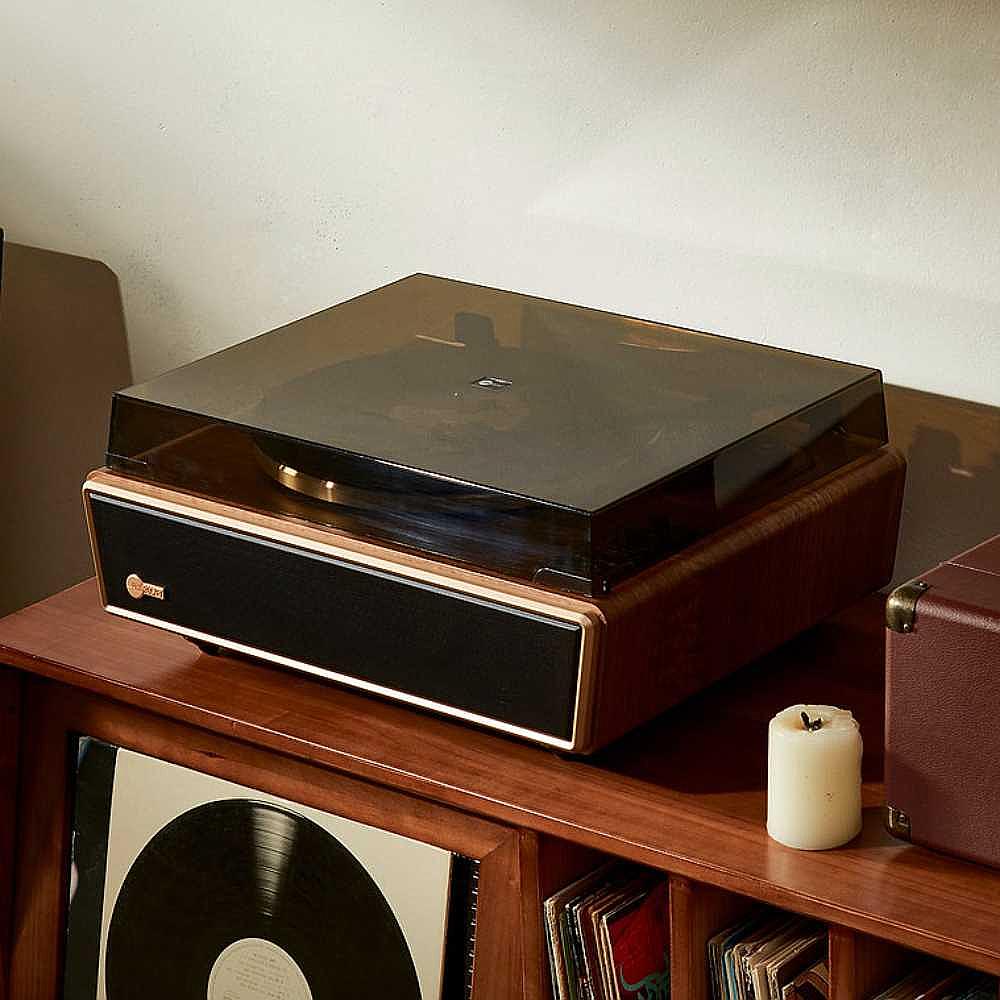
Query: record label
{"x": 255, "y": 969}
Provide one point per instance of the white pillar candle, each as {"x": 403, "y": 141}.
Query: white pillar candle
{"x": 813, "y": 777}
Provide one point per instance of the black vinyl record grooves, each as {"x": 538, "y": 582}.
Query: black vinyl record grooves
{"x": 236, "y": 870}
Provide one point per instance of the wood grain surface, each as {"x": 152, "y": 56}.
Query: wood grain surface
{"x": 559, "y": 863}
{"x": 697, "y": 913}
{"x": 10, "y": 719}
{"x": 40, "y": 887}
{"x": 746, "y": 589}
{"x": 673, "y": 629}
{"x": 862, "y": 966}
{"x": 53, "y": 712}
{"x": 684, "y": 794}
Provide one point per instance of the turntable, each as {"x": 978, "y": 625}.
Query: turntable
{"x": 530, "y": 515}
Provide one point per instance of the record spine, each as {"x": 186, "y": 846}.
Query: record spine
{"x": 463, "y": 913}
{"x": 470, "y": 939}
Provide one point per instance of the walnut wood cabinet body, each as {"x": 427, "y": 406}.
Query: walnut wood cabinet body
{"x": 684, "y": 794}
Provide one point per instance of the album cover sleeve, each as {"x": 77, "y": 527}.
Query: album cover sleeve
{"x": 799, "y": 955}
{"x": 559, "y": 932}
{"x": 640, "y": 947}
{"x": 813, "y": 984}
{"x": 612, "y": 906}
{"x": 184, "y": 885}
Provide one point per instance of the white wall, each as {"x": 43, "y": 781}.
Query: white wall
{"x": 822, "y": 175}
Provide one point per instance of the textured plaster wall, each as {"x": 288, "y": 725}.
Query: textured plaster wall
{"x": 821, "y": 175}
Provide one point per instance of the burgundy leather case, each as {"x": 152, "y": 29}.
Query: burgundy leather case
{"x": 942, "y": 765}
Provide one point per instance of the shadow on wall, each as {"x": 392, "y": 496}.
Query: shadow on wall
{"x": 952, "y": 498}
{"x": 62, "y": 353}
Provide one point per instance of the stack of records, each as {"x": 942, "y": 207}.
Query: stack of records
{"x": 608, "y": 936}
{"x": 934, "y": 980}
{"x": 770, "y": 955}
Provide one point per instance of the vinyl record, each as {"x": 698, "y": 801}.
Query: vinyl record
{"x": 241, "y": 900}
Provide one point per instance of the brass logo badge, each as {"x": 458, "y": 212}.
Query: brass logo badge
{"x": 138, "y": 589}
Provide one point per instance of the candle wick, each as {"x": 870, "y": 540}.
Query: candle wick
{"x": 811, "y": 725}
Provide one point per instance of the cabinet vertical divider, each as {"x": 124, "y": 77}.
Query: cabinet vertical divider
{"x": 535, "y": 960}
{"x": 843, "y": 945}
{"x": 40, "y": 886}
{"x": 697, "y": 912}
{"x": 862, "y": 966}
{"x": 682, "y": 975}
{"x": 557, "y": 863}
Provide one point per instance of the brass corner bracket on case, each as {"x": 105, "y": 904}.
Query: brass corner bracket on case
{"x": 901, "y": 605}
{"x": 897, "y": 822}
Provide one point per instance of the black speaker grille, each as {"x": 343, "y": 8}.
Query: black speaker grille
{"x": 413, "y": 638}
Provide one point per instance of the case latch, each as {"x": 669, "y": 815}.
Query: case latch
{"x": 901, "y": 606}
{"x": 897, "y": 822}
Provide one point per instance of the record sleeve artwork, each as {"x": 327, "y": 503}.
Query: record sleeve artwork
{"x": 206, "y": 889}
{"x": 608, "y": 936}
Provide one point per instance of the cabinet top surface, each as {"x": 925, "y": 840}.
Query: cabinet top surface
{"x": 685, "y": 793}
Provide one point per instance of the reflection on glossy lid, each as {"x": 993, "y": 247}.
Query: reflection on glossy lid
{"x": 568, "y": 406}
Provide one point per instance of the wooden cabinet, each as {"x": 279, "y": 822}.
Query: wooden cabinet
{"x": 685, "y": 795}
{"x": 54, "y": 713}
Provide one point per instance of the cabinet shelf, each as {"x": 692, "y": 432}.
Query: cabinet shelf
{"x": 860, "y": 965}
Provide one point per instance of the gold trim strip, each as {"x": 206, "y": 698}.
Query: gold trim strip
{"x": 587, "y": 617}
{"x": 348, "y": 548}
{"x": 92, "y": 537}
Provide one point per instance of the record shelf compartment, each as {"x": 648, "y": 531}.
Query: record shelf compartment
{"x": 683, "y": 796}
{"x": 860, "y": 966}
